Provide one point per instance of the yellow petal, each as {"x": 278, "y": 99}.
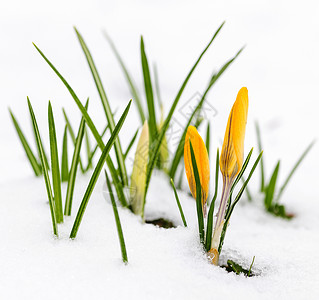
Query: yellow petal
{"x": 202, "y": 161}
{"x": 138, "y": 177}
{"x": 232, "y": 155}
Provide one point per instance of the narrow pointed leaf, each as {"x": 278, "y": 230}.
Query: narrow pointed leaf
{"x": 210, "y": 216}
{"x": 130, "y": 144}
{"x": 164, "y": 128}
{"x": 129, "y": 79}
{"x": 303, "y": 155}
{"x": 262, "y": 170}
{"x": 97, "y": 172}
{"x": 207, "y": 142}
{"x": 200, "y": 216}
{"x": 238, "y": 196}
{"x": 179, "y": 152}
{"x": 44, "y": 153}
{"x": 93, "y": 151}
{"x": 89, "y": 122}
{"x": 117, "y": 220}
{"x": 178, "y": 204}
{"x": 88, "y": 148}
{"x": 157, "y": 88}
{"x": 33, "y": 161}
{"x": 71, "y": 131}
{"x": 56, "y": 178}
{"x": 45, "y": 169}
{"x": 270, "y": 189}
{"x": 65, "y": 159}
{"x": 73, "y": 168}
{"x": 149, "y": 94}
{"x": 106, "y": 106}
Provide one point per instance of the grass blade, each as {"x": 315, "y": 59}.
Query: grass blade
{"x": 117, "y": 220}
{"x": 89, "y": 122}
{"x": 92, "y": 152}
{"x": 242, "y": 171}
{"x": 74, "y": 165}
{"x": 106, "y": 106}
{"x": 207, "y": 142}
{"x": 180, "y": 180}
{"x": 179, "y": 152}
{"x": 164, "y": 128}
{"x": 262, "y": 170}
{"x": 71, "y": 131}
{"x": 200, "y": 216}
{"x": 33, "y": 161}
{"x": 97, "y": 172}
{"x": 65, "y": 159}
{"x": 149, "y": 95}
{"x": 231, "y": 209}
{"x": 129, "y": 79}
{"x": 157, "y": 88}
{"x": 56, "y": 178}
{"x": 210, "y": 216}
{"x": 303, "y": 155}
{"x": 88, "y": 149}
{"x": 44, "y": 153}
{"x": 45, "y": 169}
{"x": 248, "y": 193}
{"x": 270, "y": 189}
{"x": 130, "y": 144}
{"x": 251, "y": 265}
{"x": 178, "y": 204}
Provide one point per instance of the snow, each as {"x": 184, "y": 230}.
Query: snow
{"x": 279, "y": 66}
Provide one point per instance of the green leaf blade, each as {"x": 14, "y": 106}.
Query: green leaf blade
{"x": 164, "y": 128}
{"x": 129, "y": 79}
{"x": 73, "y": 168}
{"x": 199, "y": 207}
{"x": 117, "y": 221}
{"x": 149, "y": 94}
{"x": 210, "y": 216}
{"x": 56, "y": 178}
{"x": 45, "y": 169}
{"x": 106, "y": 106}
{"x": 97, "y": 172}
{"x": 178, "y": 203}
{"x": 65, "y": 159}
{"x": 89, "y": 122}
{"x": 238, "y": 196}
{"x": 179, "y": 152}
{"x": 30, "y": 155}
{"x": 293, "y": 170}
{"x": 270, "y": 189}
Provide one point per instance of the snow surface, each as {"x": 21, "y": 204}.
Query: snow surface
{"x": 279, "y": 66}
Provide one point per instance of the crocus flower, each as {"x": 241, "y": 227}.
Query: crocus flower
{"x": 138, "y": 178}
{"x": 202, "y": 161}
{"x": 231, "y": 160}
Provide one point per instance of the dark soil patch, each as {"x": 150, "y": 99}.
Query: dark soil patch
{"x": 163, "y": 223}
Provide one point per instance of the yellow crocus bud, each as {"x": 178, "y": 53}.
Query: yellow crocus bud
{"x": 138, "y": 178}
{"x": 232, "y": 155}
{"x": 202, "y": 161}
{"x": 231, "y": 159}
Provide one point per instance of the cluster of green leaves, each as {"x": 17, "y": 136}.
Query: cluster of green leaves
{"x": 205, "y": 236}
{"x": 238, "y": 269}
{"x": 118, "y": 172}
{"x": 271, "y": 194}
{"x": 157, "y": 135}
{"x": 54, "y": 187}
